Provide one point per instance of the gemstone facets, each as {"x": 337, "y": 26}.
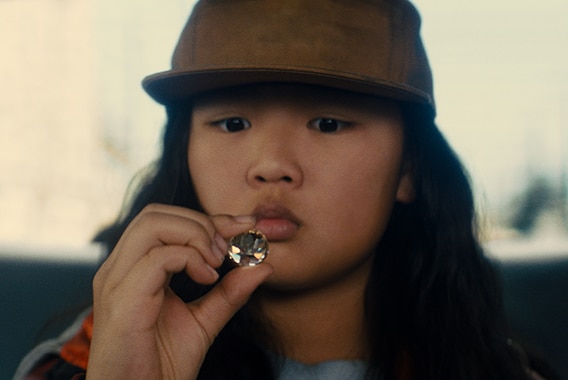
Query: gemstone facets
{"x": 248, "y": 249}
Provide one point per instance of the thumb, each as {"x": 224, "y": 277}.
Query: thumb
{"x": 217, "y": 307}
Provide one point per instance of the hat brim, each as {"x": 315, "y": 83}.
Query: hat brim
{"x": 174, "y": 86}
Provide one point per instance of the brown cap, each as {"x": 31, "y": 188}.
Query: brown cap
{"x": 367, "y": 46}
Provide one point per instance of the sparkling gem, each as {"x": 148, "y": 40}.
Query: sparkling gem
{"x": 248, "y": 249}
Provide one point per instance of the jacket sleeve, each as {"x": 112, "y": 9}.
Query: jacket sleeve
{"x": 62, "y": 358}
{"x": 55, "y": 368}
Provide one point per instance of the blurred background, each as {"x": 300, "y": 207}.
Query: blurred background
{"x": 76, "y": 126}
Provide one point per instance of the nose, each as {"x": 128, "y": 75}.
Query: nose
{"x": 274, "y": 161}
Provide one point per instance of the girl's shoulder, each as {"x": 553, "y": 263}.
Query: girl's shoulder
{"x": 65, "y": 355}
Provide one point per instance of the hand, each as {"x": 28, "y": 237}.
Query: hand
{"x": 142, "y": 330}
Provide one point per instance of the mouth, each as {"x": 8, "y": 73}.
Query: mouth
{"x": 276, "y": 222}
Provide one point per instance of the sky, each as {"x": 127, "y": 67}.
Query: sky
{"x": 500, "y": 73}
{"x": 71, "y": 73}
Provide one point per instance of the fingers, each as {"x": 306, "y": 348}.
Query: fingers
{"x": 156, "y": 267}
{"x": 139, "y": 297}
{"x": 228, "y": 226}
{"x": 140, "y": 323}
{"x": 216, "y": 308}
{"x": 162, "y": 225}
{"x": 163, "y": 240}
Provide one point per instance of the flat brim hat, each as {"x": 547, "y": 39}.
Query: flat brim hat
{"x": 366, "y": 46}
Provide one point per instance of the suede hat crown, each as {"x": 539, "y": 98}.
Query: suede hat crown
{"x": 366, "y": 46}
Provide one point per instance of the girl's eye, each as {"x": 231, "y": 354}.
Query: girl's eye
{"x": 233, "y": 124}
{"x": 328, "y": 125}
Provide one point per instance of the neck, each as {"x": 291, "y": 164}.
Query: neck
{"x": 322, "y": 324}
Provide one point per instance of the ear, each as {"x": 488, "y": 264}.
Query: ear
{"x": 406, "y": 192}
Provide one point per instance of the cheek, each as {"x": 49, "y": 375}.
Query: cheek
{"x": 211, "y": 176}
{"x": 362, "y": 196}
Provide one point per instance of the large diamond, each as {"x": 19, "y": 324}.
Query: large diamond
{"x": 248, "y": 249}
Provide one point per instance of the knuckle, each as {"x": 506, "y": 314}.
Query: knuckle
{"x": 100, "y": 280}
{"x": 97, "y": 281}
{"x": 206, "y": 337}
{"x": 151, "y": 208}
{"x": 228, "y": 298}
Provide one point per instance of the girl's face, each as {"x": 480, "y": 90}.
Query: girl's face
{"x": 319, "y": 168}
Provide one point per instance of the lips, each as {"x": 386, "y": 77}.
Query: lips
{"x": 276, "y": 222}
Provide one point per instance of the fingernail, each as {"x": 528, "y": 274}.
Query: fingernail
{"x": 221, "y": 244}
{"x": 245, "y": 219}
{"x": 217, "y": 251}
{"x": 213, "y": 272}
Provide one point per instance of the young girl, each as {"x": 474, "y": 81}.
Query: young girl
{"x": 313, "y": 123}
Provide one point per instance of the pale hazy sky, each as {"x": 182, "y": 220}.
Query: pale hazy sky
{"x": 500, "y": 74}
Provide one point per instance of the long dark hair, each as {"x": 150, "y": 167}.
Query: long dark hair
{"x": 444, "y": 316}
{"x": 433, "y": 302}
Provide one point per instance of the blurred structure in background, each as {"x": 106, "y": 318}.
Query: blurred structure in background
{"x": 76, "y": 126}
{"x": 75, "y": 123}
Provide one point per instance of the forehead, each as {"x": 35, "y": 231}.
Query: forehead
{"x": 293, "y": 94}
